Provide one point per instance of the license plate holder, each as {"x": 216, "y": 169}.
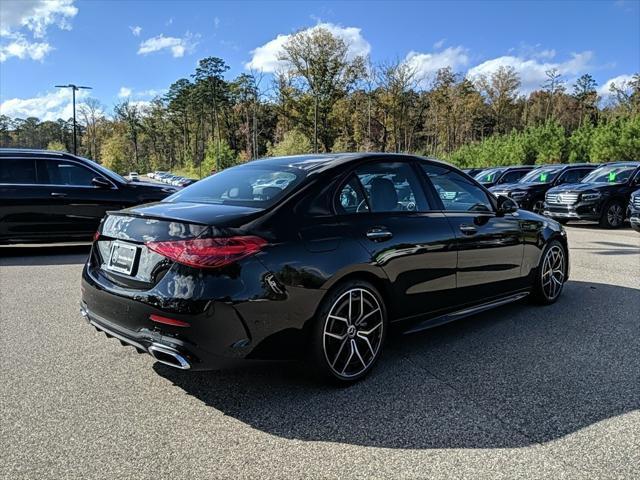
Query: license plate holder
{"x": 122, "y": 257}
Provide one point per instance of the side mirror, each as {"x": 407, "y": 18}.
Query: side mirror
{"x": 506, "y": 205}
{"x": 100, "y": 182}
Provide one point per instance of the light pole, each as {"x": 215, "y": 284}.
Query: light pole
{"x": 73, "y": 90}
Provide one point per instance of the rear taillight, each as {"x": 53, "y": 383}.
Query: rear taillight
{"x": 96, "y": 236}
{"x": 209, "y": 252}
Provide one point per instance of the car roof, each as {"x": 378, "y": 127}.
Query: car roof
{"x": 33, "y": 152}
{"x": 322, "y": 161}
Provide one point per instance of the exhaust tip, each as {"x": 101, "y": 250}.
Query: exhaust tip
{"x": 168, "y": 356}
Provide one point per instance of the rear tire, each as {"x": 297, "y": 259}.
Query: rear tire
{"x": 612, "y": 215}
{"x": 551, "y": 274}
{"x": 349, "y": 332}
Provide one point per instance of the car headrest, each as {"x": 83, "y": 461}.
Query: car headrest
{"x": 384, "y": 197}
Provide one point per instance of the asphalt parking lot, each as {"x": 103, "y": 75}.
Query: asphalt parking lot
{"x": 517, "y": 392}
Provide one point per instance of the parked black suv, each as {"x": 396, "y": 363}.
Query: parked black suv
{"x": 601, "y": 196}
{"x": 633, "y": 211}
{"x": 53, "y": 196}
{"x": 530, "y": 190}
{"x": 500, "y": 175}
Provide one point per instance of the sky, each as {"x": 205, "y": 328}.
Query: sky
{"x": 137, "y": 49}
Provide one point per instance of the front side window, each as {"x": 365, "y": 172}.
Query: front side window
{"x": 574, "y": 175}
{"x": 17, "y": 170}
{"x": 392, "y": 187}
{"x": 246, "y": 185}
{"x": 457, "y": 192}
{"x": 61, "y": 172}
{"x": 611, "y": 174}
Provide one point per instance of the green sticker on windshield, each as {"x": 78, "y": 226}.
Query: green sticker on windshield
{"x": 490, "y": 177}
{"x": 544, "y": 176}
{"x": 612, "y": 176}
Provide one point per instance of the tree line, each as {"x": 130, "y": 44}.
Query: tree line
{"x": 323, "y": 99}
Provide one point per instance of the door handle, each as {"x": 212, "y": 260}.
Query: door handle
{"x": 468, "y": 229}
{"x": 58, "y": 194}
{"x": 379, "y": 234}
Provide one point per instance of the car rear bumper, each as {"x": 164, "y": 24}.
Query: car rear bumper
{"x": 169, "y": 350}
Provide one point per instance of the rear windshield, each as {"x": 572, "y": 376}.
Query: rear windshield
{"x": 255, "y": 186}
{"x": 488, "y": 176}
{"x": 610, "y": 174}
{"x": 541, "y": 175}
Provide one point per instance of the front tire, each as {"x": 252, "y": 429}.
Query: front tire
{"x": 349, "y": 332}
{"x": 551, "y": 274}
{"x": 612, "y": 215}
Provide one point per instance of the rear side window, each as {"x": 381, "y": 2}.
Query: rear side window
{"x": 60, "y": 172}
{"x": 392, "y": 187}
{"x": 247, "y": 185}
{"x": 456, "y": 191}
{"x": 18, "y": 170}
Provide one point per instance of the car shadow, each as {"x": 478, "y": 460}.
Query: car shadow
{"x": 511, "y": 377}
{"x": 36, "y": 255}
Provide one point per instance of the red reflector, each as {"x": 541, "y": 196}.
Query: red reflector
{"x": 209, "y": 252}
{"x": 168, "y": 321}
{"x": 96, "y": 236}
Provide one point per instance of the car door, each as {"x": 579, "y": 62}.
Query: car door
{"x": 23, "y": 203}
{"x": 77, "y": 204}
{"x": 411, "y": 241}
{"x": 490, "y": 245}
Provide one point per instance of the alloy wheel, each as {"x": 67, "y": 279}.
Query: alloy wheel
{"x": 615, "y": 215}
{"x": 553, "y": 272}
{"x": 353, "y": 332}
{"x": 538, "y": 207}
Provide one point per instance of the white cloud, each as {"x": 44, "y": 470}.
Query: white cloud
{"x": 216, "y": 22}
{"x": 50, "y": 106}
{"x": 21, "y": 48}
{"x": 439, "y": 44}
{"x": 532, "y": 71}
{"x": 137, "y": 30}
{"x": 17, "y": 18}
{"x": 36, "y": 15}
{"x": 621, "y": 81}
{"x": 426, "y": 65}
{"x": 177, "y": 46}
{"x": 265, "y": 57}
{"x": 124, "y": 92}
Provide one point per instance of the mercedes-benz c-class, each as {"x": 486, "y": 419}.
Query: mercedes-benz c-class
{"x": 314, "y": 257}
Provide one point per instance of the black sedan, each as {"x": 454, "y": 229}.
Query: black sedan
{"x": 54, "y": 196}
{"x": 321, "y": 265}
